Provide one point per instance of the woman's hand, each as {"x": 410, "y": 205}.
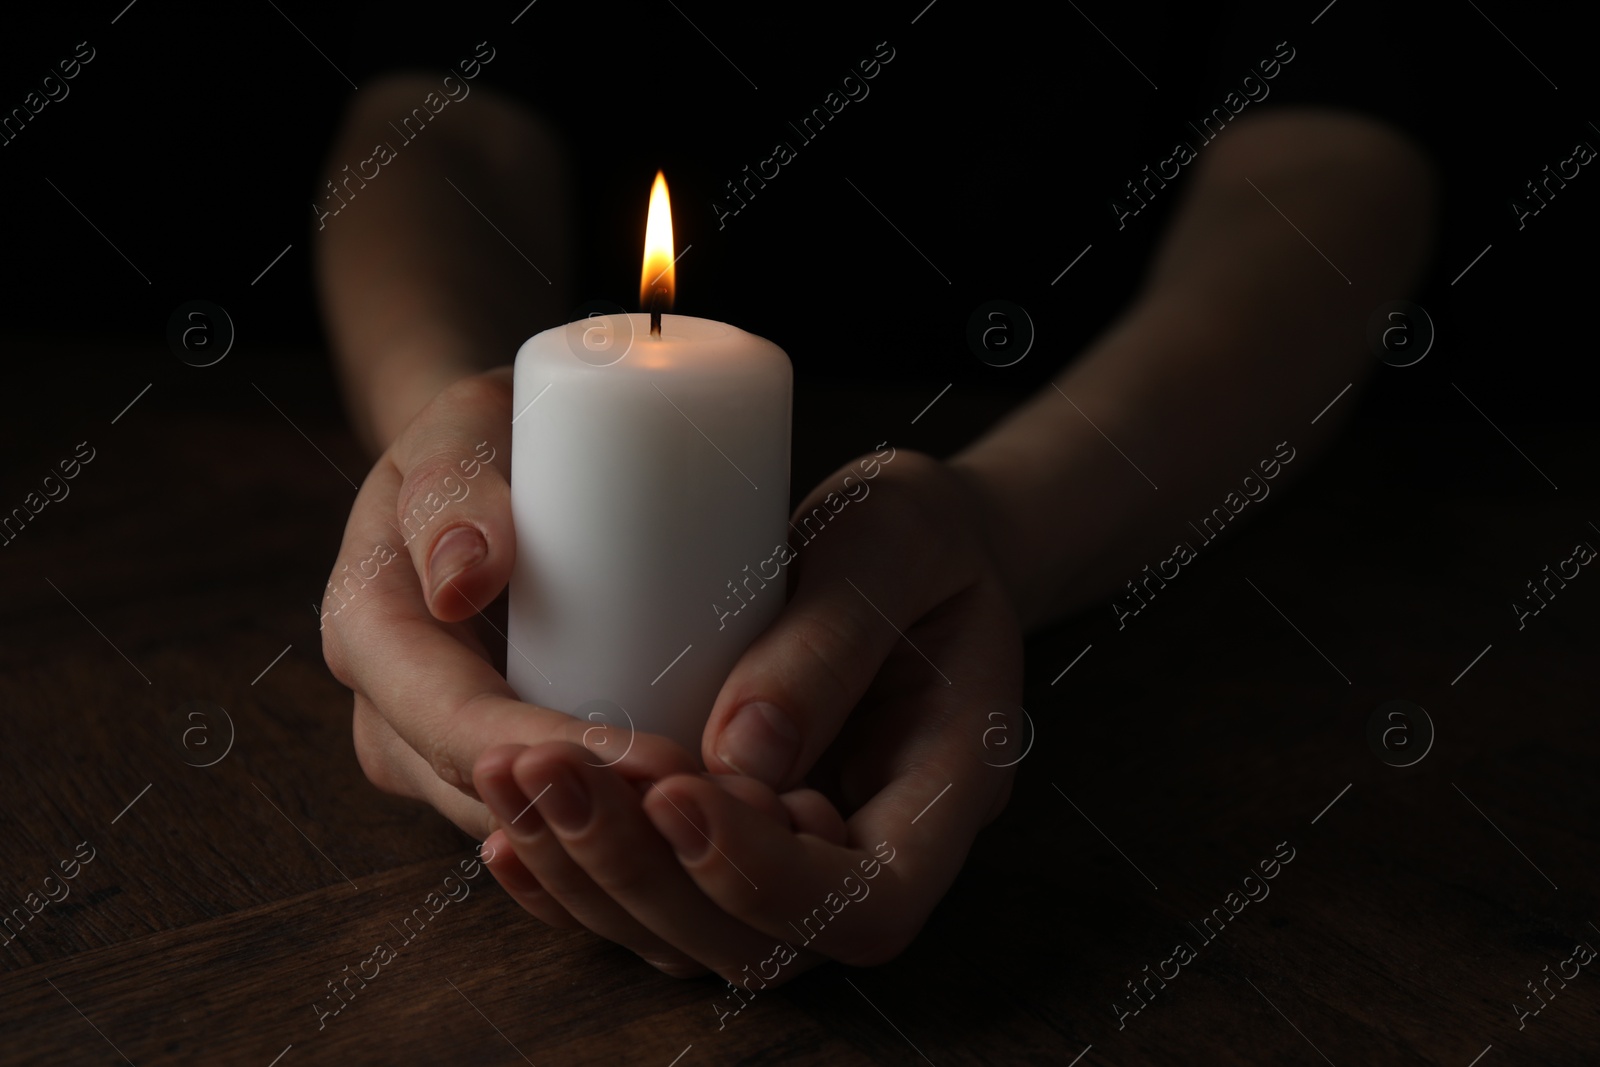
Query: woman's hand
{"x": 428, "y": 545}
{"x": 888, "y": 683}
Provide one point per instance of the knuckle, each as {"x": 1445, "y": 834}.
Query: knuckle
{"x": 442, "y": 762}
{"x": 827, "y": 645}
{"x": 478, "y": 391}
{"x": 443, "y": 744}
{"x": 930, "y": 496}
{"x": 376, "y": 770}
{"x": 353, "y": 636}
{"x": 371, "y": 754}
{"x": 429, "y": 487}
{"x": 333, "y": 653}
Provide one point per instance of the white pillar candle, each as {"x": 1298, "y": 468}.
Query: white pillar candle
{"x": 649, "y": 485}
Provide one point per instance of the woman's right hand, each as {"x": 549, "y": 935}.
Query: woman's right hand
{"x": 428, "y": 546}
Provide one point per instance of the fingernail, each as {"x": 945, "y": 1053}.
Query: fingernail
{"x": 760, "y": 741}
{"x": 488, "y": 851}
{"x": 684, "y": 830}
{"x": 457, "y": 550}
{"x": 564, "y": 802}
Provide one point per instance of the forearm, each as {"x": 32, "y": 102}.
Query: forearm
{"x": 419, "y": 287}
{"x": 1241, "y": 333}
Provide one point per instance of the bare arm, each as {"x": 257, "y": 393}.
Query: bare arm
{"x": 419, "y": 289}
{"x": 1241, "y": 333}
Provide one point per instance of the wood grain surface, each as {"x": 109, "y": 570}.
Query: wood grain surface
{"x": 1225, "y": 724}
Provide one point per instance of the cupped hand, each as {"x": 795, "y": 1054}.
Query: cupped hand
{"x": 865, "y": 738}
{"x": 428, "y": 545}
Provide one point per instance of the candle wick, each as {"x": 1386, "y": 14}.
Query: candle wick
{"x": 657, "y": 298}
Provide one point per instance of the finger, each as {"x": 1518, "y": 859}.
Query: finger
{"x": 787, "y": 696}
{"x": 440, "y": 695}
{"x": 812, "y": 813}
{"x": 858, "y": 903}
{"x": 453, "y": 506}
{"x": 604, "y": 831}
{"x": 758, "y": 795}
{"x": 391, "y": 765}
{"x": 375, "y": 745}
{"x": 865, "y": 900}
{"x": 921, "y": 735}
{"x": 515, "y": 799}
{"x": 805, "y": 811}
{"x": 768, "y": 877}
{"x": 522, "y": 886}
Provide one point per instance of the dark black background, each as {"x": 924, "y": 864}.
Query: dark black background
{"x": 994, "y": 141}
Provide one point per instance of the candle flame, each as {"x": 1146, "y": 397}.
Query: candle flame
{"x": 658, "y": 272}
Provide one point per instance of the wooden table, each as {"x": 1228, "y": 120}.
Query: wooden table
{"x": 1225, "y": 723}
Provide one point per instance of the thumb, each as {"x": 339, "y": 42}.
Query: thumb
{"x": 788, "y": 695}
{"x": 453, "y": 507}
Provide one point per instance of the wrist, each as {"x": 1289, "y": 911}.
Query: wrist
{"x": 992, "y": 525}
{"x": 981, "y": 506}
